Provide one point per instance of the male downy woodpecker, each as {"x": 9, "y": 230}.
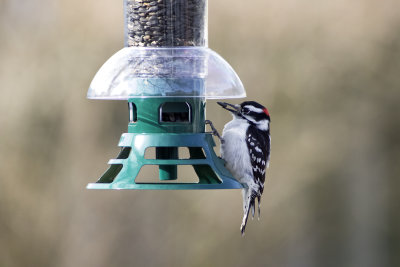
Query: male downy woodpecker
{"x": 245, "y": 147}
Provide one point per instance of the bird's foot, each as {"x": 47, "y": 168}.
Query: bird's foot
{"x": 213, "y": 130}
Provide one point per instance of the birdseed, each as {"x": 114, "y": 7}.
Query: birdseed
{"x": 166, "y": 23}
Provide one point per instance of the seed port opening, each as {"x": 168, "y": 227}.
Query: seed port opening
{"x": 177, "y": 112}
{"x": 132, "y": 112}
{"x": 182, "y": 153}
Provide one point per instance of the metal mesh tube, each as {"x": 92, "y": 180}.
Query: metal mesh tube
{"x": 165, "y": 23}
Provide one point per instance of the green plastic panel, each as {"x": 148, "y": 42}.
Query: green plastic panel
{"x": 166, "y": 124}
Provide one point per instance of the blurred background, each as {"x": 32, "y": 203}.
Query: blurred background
{"x": 329, "y": 73}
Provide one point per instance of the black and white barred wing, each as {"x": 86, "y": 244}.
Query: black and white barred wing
{"x": 259, "y": 156}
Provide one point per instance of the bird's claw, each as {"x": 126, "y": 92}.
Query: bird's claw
{"x": 213, "y": 130}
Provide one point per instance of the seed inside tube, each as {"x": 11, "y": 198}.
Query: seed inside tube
{"x": 170, "y": 22}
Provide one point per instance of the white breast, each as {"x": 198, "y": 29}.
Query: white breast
{"x": 234, "y": 150}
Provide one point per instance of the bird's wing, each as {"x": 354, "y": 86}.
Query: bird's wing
{"x": 259, "y": 150}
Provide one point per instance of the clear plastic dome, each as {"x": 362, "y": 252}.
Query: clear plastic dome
{"x": 166, "y": 72}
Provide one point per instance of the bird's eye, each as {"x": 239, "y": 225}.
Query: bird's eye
{"x": 245, "y": 111}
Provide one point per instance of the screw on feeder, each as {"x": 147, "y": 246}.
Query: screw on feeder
{"x": 166, "y": 72}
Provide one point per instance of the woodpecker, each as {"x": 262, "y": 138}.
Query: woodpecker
{"x": 245, "y": 147}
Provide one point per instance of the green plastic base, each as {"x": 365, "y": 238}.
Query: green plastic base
{"x": 208, "y": 166}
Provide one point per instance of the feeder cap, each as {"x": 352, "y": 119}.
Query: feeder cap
{"x": 146, "y": 72}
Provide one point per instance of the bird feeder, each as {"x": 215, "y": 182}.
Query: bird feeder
{"x": 166, "y": 72}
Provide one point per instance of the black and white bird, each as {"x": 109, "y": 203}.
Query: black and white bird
{"x": 245, "y": 147}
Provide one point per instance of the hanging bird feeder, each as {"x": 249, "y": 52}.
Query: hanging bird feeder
{"x": 166, "y": 72}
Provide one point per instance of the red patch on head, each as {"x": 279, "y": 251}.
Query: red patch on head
{"x": 266, "y": 111}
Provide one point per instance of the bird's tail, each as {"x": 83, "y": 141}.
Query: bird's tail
{"x": 249, "y": 198}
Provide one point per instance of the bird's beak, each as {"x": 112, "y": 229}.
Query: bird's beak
{"x": 232, "y": 108}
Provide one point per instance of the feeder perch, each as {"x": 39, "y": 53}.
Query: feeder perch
{"x": 166, "y": 72}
